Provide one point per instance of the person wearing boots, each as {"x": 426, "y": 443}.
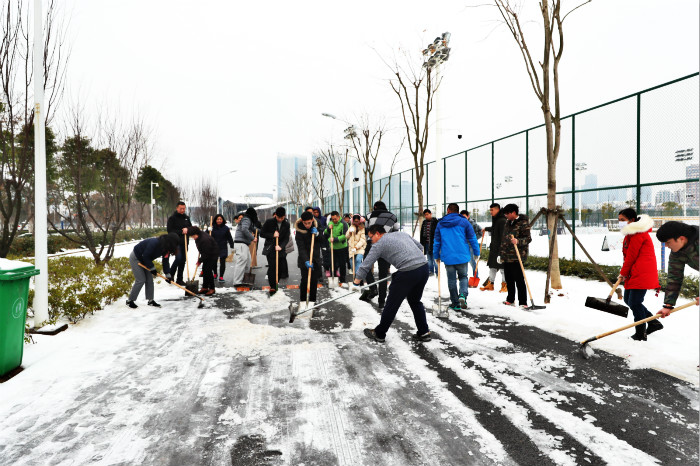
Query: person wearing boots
{"x": 305, "y": 227}
{"x": 498, "y": 222}
{"x": 245, "y": 234}
{"x": 335, "y": 235}
{"x": 515, "y": 232}
{"x": 222, "y": 234}
{"x": 682, "y": 240}
{"x": 427, "y": 233}
{"x": 638, "y": 270}
{"x": 144, "y": 253}
{"x": 208, "y": 254}
{"x": 357, "y": 240}
{"x": 385, "y": 219}
{"x": 276, "y": 227}
{"x": 406, "y": 254}
{"x": 178, "y": 223}
{"x": 454, "y": 238}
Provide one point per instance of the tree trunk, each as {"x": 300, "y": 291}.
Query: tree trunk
{"x": 551, "y": 206}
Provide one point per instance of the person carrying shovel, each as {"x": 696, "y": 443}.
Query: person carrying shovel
{"x": 357, "y": 241}
{"x": 144, "y": 253}
{"x": 309, "y": 257}
{"x": 335, "y": 233}
{"x": 208, "y": 254}
{"x": 276, "y": 232}
{"x": 515, "y": 233}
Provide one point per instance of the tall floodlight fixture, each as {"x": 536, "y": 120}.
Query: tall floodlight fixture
{"x": 41, "y": 261}
{"x": 581, "y": 167}
{"x": 153, "y": 201}
{"x": 434, "y": 55}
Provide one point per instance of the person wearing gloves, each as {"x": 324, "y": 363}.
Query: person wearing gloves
{"x": 221, "y": 233}
{"x": 357, "y": 240}
{"x": 325, "y": 250}
{"x": 406, "y": 254}
{"x": 454, "y": 237}
{"x": 178, "y": 223}
{"x": 515, "y": 232}
{"x": 276, "y": 227}
{"x": 335, "y": 234}
{"x": 306, "y": 226}
{"x": 144, "y": 253}
{"x": 387, "y": 220}
{"x": 638, "y": 270}
{"x": 682, "y": 240}
{"x": 498, "y": 222}
{"x": 208, "y": 254}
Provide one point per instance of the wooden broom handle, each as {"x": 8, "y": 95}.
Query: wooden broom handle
{"x": 643, "y": 321}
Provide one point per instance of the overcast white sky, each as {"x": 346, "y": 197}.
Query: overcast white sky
{"x": 227, "y": 85}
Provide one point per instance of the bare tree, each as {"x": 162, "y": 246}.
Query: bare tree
{"x": 337, "y": 159}
{"x": 17, "y": 107}
{"x": 367, "y": 143}
{"x": 415, "y": 85}
{"x": 206, "y": 202}
{"x": 296, "y": 189}
{"x": 319, "y": 184}
{"x": 544, "y": 78}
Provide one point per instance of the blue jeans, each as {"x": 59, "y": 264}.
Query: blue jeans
{"x": 358, "y": 261}
{"x": 409, "y": 286}
{"x": 452, "y": 272}
{"x": 634, "y": 299}
{"x": 432, "y": 268}
{"x": 473, "y": 263}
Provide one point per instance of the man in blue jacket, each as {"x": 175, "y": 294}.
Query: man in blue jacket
{"x": 454, "y": 236}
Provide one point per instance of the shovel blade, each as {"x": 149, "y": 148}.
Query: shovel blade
{"x": 192, "y": 286}
{"x": 249, "y": 279}
{"x": 293, "y": 308}
{"x": 332, "y": 282}
{"x": 474, "y": 282}
{"x": 605, "y": 306}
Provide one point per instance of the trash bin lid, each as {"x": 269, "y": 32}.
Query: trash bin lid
{"x": 12, "y": 270}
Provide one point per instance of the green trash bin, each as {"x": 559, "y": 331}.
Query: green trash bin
{"x": 14, "y": 291}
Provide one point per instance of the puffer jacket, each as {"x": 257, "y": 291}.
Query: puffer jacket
{"x": 357, "y": 238}
{"x": 639, "y": 266}
{"x": 676, "y": 267}
{"x": 339, "y": 230}
{"x": 453, "y": 237}
{"x": 303, "y": 240}
{"x": 520, "y": 229}
{"x": 222, "y": 235}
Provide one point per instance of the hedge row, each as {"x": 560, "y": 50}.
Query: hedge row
{"x": 24, "y": 246}
{"x": 586, "y": 270}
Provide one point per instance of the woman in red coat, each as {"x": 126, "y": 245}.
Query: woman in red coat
{"x": 638, "y": 271}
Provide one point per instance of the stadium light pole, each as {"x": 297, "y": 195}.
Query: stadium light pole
{"x": 153, "y": 201}
{"x": 350, "y": 133}
{"x": 581, "y": 167}
{"x": 217, "y": 190}
{"x": 41, "y": 260}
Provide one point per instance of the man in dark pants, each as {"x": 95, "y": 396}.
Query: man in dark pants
{"x": 516, "y": 232}
{"x": 335, "y": 235}
{"x": 208, "y": 254}
{"x": 427, "y": 234}
{"x": 306, "y": 227}
{"x": 408, "y": 282}
{"x": 498, "y": 221}
{"x": 275, "y": 227}
{"x": 382, "y": 217}
{"x": 178, "y": 223}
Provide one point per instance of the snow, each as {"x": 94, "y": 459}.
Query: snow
{"x": 6, "y": 264}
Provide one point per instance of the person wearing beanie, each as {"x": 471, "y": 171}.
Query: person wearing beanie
{"x": 306, "y": 226}
{"x": 638, "y": 272}
{"x": 144, "y": 253}
{"x": 221, "y": 233}
{"x": 682, "y": 240}
{"x": 208, "y": 254}
{"x": 276, "y": 227}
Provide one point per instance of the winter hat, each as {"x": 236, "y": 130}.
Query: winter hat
{"x": 673, "y": 230}
{"x": 306, "y": 216}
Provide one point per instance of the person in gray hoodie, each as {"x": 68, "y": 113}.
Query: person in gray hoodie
{"x": 245, "y": 234}
{"x": 406, "y": 254}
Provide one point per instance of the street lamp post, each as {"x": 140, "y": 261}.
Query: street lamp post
{"x": 350, "y": 133}
{"x": 153, "y": 201}
{"x": 683, "y": 156}
{"x": 581, "y": 167}
{"x": 217, "y": 189}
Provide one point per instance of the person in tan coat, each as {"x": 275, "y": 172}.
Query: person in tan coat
{"x": 357, "y": 240}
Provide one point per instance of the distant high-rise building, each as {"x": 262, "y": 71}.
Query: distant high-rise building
{"x": 288, "y": 166}
{"x": 692, "y": 189}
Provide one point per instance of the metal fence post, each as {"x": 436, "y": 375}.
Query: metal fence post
{"x": 493, "y": 175}
{"x": 527, "y": 172}
{"x": 573, "y": 187}
{"x": 639, "y": 152}
{"x": 466, "y": 181}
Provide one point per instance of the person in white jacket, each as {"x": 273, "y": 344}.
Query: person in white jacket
{"x": 357, "y": 240}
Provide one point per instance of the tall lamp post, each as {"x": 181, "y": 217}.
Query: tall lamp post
{"x": 581, "y": 167}
{"x": 153, "y": 201}
{"x": 683, "y": 156}
{"x": 217, "y": 189}
{"x": 434, "y": 55}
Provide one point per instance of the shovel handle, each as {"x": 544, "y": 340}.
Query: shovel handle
{"x": 612, "y": 292}
{"x": 341, "y": 296}
{"x": 522, "y": 267}
{"x": 634, "y": 324}
{"x": 173, "y": 283}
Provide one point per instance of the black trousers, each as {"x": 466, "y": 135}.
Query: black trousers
{"x": 222, "y": 266}
{"x": 383, "y": 273}
{"x": 284, "y": 272}
{"x": 178, "y": 266}
{"x": 315, "y": 273}
{"x": 514, "y": 277}
{"x": 208, "y": 271}
{"x": 340, "y": 263}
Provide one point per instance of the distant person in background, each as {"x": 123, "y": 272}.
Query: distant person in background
{"x": 335, "y": 234}
{"x": 498, "y": 222}
{"x": 682, "y": 240}
{"x": 325, "y": 253}
{"x": 638, "y": 272}
{"x": 347, "y": 218}
{"x": 427, "y": 234}
{"x": 222, "y": 234}
{"x": 144, "y": 253}
{"x": 208, "y": 254}
{"x": 178, "y": 223}
{"x": 357, "y": 241}
{"x": 477, "y": 231}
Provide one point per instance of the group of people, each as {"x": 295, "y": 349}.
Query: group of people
{"x": 333, "y": 244}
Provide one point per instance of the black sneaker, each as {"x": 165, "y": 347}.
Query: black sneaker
{"x": 653, "y": 326}
{"x": 367, "y": 295}
{"x": 369, "y": 333}
{"x": 425, "y": 337}
{"x": 380, "y": 306}
{"x": 131, "y": 304}
{"x": 153, "y": 303}
{"x": 639, "y": 336}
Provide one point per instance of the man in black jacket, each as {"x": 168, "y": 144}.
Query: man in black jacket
{"x": 306, "y": 226}
{"x": 276, "y": 227}
{"x": 427, "y": 234}
{"x": 143, "y": 254}
{"x": 382, "y": 217}
{"x": 498, "y": 223}
{"x": 178, "y": 223}
{"x": 208, "y": 254}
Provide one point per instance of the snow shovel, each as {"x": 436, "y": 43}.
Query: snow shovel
{"x": 293, "y": 314}
{"x": 474, "y": 281}
{"x": 332, "y": 280}
{"x": 439, "y": 311}
{"x": 249, "y": 277}
{"x": 605, "y": 305}
{"x": 587, "y": 352}
{"x": 532, "y": 301}
{"x": 254, "y": 252}
{"x": 191, "y": 285}
{"x": 294, "y": 307}
{"x": 201, "y": 300}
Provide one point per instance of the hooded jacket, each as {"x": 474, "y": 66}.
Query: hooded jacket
{"x": 453, "y": 237}
{"x": 496, "y": 230}
{"x": 176, "y": 222}
{"x": 639, "y": 266}
{"x": 520, "y": 229}
{"x": 303, "y": 240}
{"x": 268, "y": 230}
{"x": 321, "y": 220}
{"x": 222, "y": 235}
{"x": 357, "y": 238}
